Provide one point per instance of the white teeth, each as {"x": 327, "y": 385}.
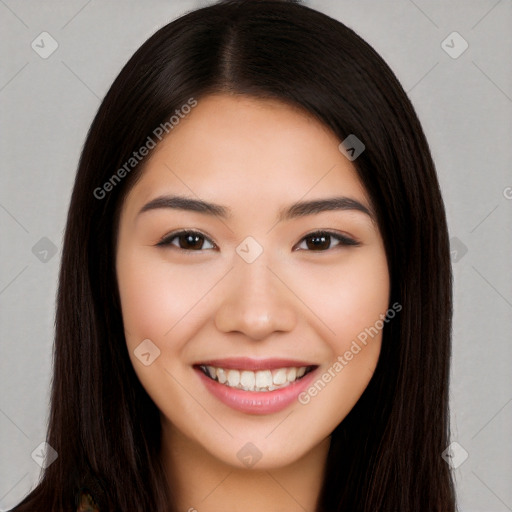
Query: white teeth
{"x": 279, "y": 376}
{"x": 221, "y": 375}
{"x": 233, "y": 378}
{"x": 291, "y": 375}
{"x": 247, "y": 379}
{"x": 262, "y": 380}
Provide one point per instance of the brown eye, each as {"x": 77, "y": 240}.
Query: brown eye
{"x": 187, "y": 241}
{"x": 321, "y": 241}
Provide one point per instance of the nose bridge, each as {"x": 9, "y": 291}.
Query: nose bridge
{"x": 256, "y": 303}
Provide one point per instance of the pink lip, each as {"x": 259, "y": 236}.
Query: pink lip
{"x": 246, "y": 363}
{"x": 256, "y": 402}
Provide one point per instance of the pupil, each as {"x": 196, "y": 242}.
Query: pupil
{"x": 193, "y": 241}
{"x": 320, "y": 241}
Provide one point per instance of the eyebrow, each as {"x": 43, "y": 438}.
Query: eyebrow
{"x": 299, "y": 209}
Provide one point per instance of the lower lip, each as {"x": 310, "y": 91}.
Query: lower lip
{"x": 257, "y": 402}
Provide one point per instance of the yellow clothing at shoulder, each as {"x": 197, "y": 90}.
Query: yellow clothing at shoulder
{"x": 87, "y": 504}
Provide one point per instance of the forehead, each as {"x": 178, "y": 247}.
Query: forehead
{"x": 235, "y": 149}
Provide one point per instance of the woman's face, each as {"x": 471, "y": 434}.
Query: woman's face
{"x": 248, "y": 291}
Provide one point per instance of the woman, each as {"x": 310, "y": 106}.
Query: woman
{"x": 254, "y": 305}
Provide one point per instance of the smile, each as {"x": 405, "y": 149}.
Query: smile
{"x": 255, "y": 386}
{"x": 256, "y": 381}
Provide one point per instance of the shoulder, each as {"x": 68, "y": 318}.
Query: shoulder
{"x": 87, "y": 504}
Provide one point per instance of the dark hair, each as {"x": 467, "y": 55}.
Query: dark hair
{"x": 386, "y": 454}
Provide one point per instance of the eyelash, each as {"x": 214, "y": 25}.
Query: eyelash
{"x": 342, "y": 239}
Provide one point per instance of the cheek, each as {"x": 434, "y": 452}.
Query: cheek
{"x": 156, "y": 300}
{"x": 157, "y": 303}
{"x": 363, "y": 298}
{"x": 348, "y": 298}
{"x": 352, "y": 300}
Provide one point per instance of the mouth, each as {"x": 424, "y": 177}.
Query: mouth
{"x": 256, "y": 386}
{"x": 263, "y": 380}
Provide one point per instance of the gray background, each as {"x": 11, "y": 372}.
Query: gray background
{"x": 464, "y": 103}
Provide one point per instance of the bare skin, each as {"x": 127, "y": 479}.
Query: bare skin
{"x": 301, "y": 299}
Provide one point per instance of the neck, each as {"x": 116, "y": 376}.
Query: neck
{"x": 202, "y": 483}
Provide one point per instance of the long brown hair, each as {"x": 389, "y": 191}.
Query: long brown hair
{"x": 386, "y": 454}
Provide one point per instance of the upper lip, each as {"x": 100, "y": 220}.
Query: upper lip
{"x": 247, "y": 363}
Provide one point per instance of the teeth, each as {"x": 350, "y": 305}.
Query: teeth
{"x": 279, "y": 376}
{"x": 247, "y": 379}
{"x": 262, "y": 380}
{"x": 221, "y": 375}
{"x": 233, "y": 378}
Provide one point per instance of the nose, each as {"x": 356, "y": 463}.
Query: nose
{"x": 256, "y": 302}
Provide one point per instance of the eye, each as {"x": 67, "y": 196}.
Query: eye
{"x": 320, "y": 241}
{"x": 186, "y": 240}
